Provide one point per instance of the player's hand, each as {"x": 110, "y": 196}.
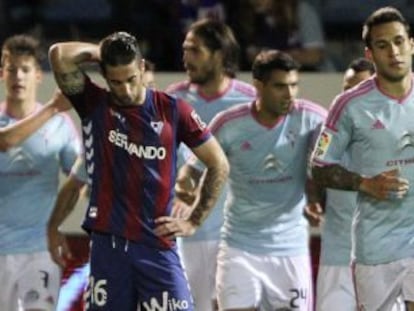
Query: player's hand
{"x": 58, "y": 247}
{"x": 386, "y": 186}
{"x": 60, "y": 102}
{"x": 180, "y": 209}
{"x": 170, "y": 227}
{"x": 313, "y": 212}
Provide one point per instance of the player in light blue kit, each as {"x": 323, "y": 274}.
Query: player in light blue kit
{"x": 263, "y": 261}
{"x": 210, "y": 59}
{"x": 29, "y": 177}
{"x": 373, "y": 124}
{"x": 335, "y": 289}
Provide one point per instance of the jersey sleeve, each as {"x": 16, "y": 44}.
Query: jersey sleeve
{"x": 92, "y": 96}
{"x": 192, "y": 130}
{"x": 333, "y": 140}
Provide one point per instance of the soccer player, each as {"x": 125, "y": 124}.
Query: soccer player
{"x": 75, "y": 186}
{"x": 210, "y": 56}
{"x": 335, "y": 289}
{"x": 372, "y": 123}
{"x": 35, "y": 143}
{"x": 131, "y": 136}
{"x": 263, "y": 260}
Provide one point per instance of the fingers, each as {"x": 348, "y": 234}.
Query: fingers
{"x": 170, "y": 227}
{"x": 59, "y": 250}
{"x": 388, "y": 186}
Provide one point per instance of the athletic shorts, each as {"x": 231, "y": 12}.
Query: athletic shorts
{"x": 246, "y": 280}
{"x": 200, "y": 263}
{"x": 382, "y": 287}
{"x": 126, "y": 275}
{"x": 335, "y": 289}
{"x": 28, "y": 281}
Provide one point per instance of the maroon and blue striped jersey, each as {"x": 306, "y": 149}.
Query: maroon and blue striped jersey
{"x": 130, "y": 154}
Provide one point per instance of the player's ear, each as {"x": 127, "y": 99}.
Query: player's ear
{"x": 368, "y": 53}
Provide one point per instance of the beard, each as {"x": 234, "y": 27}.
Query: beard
{"x": 205, "y": 76}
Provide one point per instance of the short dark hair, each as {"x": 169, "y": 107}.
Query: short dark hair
{"x": 119, "y": 48}
{"x": 362, "y": 64}
{"x": 269, "y": 60}
{"x": 218, "y": 36}
{"x": 22, "y": 45}
{"x": 381, "y": 16}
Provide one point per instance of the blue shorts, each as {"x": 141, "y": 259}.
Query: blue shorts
{"x": 125, "y": 275}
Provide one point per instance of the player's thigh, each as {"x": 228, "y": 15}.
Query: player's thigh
{"x": 200, "y": 262}
{"x": 38, "y": 281}
{"x": 335, "y": 289}
{"x": 237, "y": 285}
{"x": 111, "y": 284}
{"x": 379, "y": 287}
{"x": 287, "y": 283}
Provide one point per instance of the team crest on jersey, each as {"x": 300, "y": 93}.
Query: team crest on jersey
{"x": 406, "y": 140}
{"x": 157, "y": 126}
{"x": 201, "y": 124}
{"x": 323, "y": 144}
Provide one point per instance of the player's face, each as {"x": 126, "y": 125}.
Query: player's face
{"x": 391, "y": 51}
{"x": 352, "y": 78}
{"x": 21, "y": 76}
{"x": 125, "y": 82}
{"x": 279, "y": 92}
{"x": 199, "y": 62}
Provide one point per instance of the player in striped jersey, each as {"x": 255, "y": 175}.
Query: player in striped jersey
{"x": 211, "y": 60}
{"x": 131, "y": 135}
{"x": 372, "y": 123}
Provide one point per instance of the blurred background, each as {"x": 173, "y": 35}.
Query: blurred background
{"x": 324, "y": 34}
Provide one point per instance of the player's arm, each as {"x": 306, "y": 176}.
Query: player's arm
{"x": 212, "y": 182}
{"x": 215, "y": 176}
{"x": 65, "y": 203}
{"x": 14, "y": 134}
{"x": 386, "y": 185}
{"x": 187, "y": 183}
{"x": 66, "y": 58}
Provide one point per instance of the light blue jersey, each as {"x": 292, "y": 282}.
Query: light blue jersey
{"x": 377, "y": 132}
{"x": 208, "y": 107}
{"x": 29, "y": 179}
{"x": 264, "y": 211}
{"x": 336, "y": 232}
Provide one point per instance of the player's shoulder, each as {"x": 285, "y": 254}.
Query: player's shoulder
{"x": 178, "y": 87}
{"x": 232, "y": 114}
{"x": 307, "y": 106}
{"x": 358, "y": 93}
{"x": 244, "y": 88}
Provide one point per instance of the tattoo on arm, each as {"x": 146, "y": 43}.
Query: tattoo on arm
{"x": 336, "y": 177}
{"x": 211, "y": 188}
{"x": 70, "y": 83}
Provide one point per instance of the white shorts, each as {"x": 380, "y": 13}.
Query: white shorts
{"x": 199, "y": 259}
{"x": 383, "y": 287}
{"x": 264, "y": 282}
{"x": 28, "y": 281}
{"x": 335, "y": 289}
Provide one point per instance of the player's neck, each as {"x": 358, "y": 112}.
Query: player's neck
{"x": 397, "y": 89}
{"x": 215, "y": 86}
{"x": 265, "y": 117}
{"x": 20, "y": 108}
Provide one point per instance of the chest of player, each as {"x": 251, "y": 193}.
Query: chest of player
{"x": 137, "y": 133}
{"x": 386, "y": 129}
{"x": 39, "y": 152}
{"x": 258, "y": 150}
